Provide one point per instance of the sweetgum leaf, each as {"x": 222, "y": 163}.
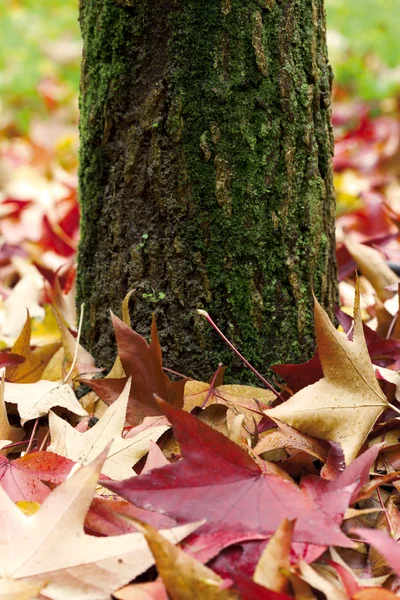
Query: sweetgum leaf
{"x": 343, "y": 406}
{"x": 143, "y": 363}
{"x": 221, "y": 483}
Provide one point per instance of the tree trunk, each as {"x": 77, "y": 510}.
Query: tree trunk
{"x": 206, "y": 176}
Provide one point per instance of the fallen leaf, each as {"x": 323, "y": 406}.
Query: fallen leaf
{"x": 36, "y": 399}
{"x": 19, "y": 590}
{"x": 184, "y": 577}
{"x": 344, "y": 405}
{"x": 236, "y": 397}
{"x": 223, "y": 484}
{"x": 25, "y": 478}
{"x": 35, "y": 361}
{"x": 8, "y": 433}
{"x": 319, "y": 579}
{"x": 154, "y": 590}
{"x": 287, "y": 437}
{"x": 274, "y": 564}
{"x": 250, "y": 590}
{"x": 84, "y": 447}
{"x": 143, "y": 363}
{"x": 51, "y": 546}
{"x": 373, "y": 266}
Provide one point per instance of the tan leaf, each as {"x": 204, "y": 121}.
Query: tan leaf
{"x": 36, "y": 399}
{"x": 321, "y": 580}
{"x": 275, "y": 559}
{"x": 84, "y": 447}
{"x": 301, "y": 589}
{"x": 184, "y": 577}
{"x": 373, "y": 266}
{"x": 287, "y": 437}
{"x": 62, "y": 361}
{"x": 344, "y": 405}
{"x": 51, "y": 546}
{"x": 239, "y": 399}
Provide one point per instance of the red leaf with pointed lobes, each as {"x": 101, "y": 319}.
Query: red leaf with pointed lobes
{"x": 143, "y": 363}
{"x": 217, "y": 480}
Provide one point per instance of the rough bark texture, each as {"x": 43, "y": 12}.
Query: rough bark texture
{"x": 205, "y": 175}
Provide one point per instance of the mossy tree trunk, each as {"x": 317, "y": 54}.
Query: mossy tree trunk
{"x": 205, "y": 175}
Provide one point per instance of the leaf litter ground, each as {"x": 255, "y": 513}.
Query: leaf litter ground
{"x": 232, "y": 491}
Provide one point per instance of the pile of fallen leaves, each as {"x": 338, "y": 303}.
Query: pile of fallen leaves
{"x": 230, "y": 491}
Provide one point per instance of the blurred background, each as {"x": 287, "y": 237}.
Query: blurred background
{"x": 39, "y": 79}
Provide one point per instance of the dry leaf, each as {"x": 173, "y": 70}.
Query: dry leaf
{"x": 84, "y": 447}
{"x": 8, "y": 433}
{"x": 373, "y": 266}
{"x": 36, "y": 360}
{"x": 319, "y": 579}
{"x": 34, "y": 400}
{"x": 275, "y": 559}
{"x": 184, "y": 577}
{"x": 51, "y": 546}
{"x": 344, "y": 405}
{"x": 238, "y": 398}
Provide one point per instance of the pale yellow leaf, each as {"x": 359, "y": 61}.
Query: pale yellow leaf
{"x": 11, "y": 589}
{"x": 84, "y": 447}
{"x": 34, "y": 400}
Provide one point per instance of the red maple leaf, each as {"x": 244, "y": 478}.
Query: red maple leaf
{"x": 217, "y": 480}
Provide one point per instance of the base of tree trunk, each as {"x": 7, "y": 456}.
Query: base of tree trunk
{"x": 206, "y": 176}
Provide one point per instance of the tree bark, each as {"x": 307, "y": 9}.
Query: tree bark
{"x": 206, "y": 176}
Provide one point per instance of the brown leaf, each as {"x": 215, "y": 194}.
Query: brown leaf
{"x": 143, "y": 363}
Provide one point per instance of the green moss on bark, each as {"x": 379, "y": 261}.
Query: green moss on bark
{"x": 207, "y": 127}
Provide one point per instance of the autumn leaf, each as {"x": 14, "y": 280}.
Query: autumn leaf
{"x": 143, "y": 363}
{"x": 344, "y": 405}
{"x": 20, "y": 590}
{"x": 250, "y": 590}
{"x": 25, "y": 478}
{"x": 221, "y": 483}
{"x": 184, "y": 577}
{"x": 34, "y": 400}
{"x": 275, "y": 559}
{"x": 83, "y": 447}
{"x": 35, "y": 361}
{"x": 51, "y": 546}
{"x": 239, "y": 399}
{"x": 372, "y": 264}
{"x": 154, "y": 590}
{"x": 8, "y": 433}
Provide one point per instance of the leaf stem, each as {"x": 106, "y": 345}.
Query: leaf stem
{"x": 77, "y": 344}
{"x": 32, "y": 436}
{"x": 205, "y": 314}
